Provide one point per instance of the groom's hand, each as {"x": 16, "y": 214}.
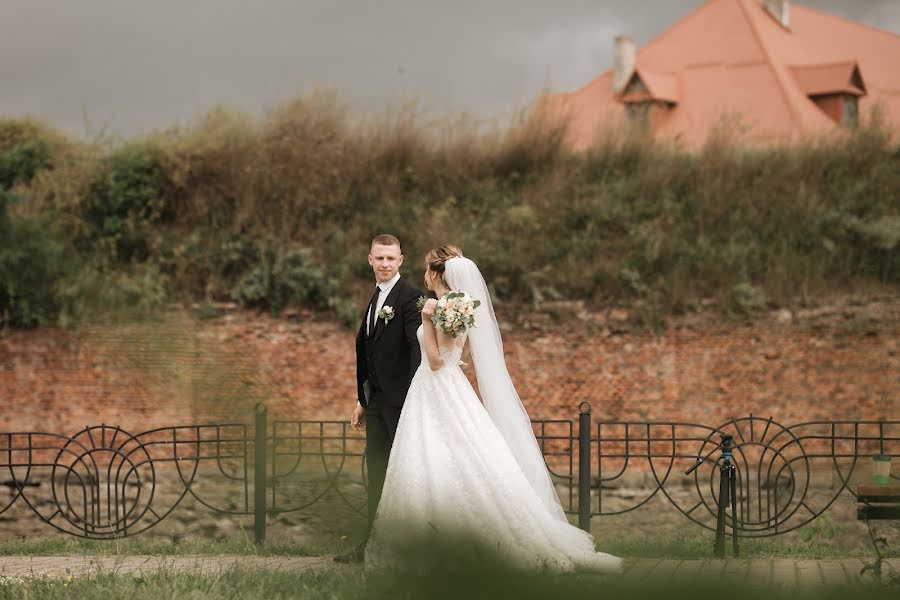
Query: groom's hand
{"x": 358, "y": 418}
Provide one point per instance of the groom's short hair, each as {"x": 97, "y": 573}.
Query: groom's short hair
{"x": 386, "y": 239}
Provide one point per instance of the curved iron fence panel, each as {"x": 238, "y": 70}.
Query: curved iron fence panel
{"x": 312, "y": 459}
{"x": 104, "y": 482}
{"x": 775, "y": 465}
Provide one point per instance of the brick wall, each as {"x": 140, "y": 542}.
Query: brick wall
{"x": 840, "y": 362}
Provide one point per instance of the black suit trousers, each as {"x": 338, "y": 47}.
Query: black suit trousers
{"x": 381, "y": 426}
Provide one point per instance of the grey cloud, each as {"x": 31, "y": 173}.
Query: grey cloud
{"x": 144, "y": 65}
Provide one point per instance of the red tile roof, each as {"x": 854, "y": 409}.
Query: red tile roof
{"x": 816, "y": 80}
{"x": 662, "y": 86}
{"x": 731, "y": 57}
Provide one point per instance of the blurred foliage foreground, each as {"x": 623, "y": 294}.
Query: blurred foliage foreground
{"x": 278, "y": 211}
{"x": 436, "y": 571}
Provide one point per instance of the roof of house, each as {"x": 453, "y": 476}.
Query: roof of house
{"x": 732, "y": 57}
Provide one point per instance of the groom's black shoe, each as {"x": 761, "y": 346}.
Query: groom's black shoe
{"x": 357, "y": 555}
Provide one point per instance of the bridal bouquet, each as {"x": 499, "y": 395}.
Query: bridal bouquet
{"x": 455, "y": 313}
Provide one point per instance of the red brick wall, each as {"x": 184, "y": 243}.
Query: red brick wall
{"x": 831, "y": 363}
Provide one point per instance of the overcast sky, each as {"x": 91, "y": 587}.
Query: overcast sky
{"x": 134, "y": 66}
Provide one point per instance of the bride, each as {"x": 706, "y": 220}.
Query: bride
{"x": 460, "y": 468}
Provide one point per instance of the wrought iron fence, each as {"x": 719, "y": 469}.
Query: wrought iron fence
{"x": 776, "y": 467}
{"x": 104, "y": 482}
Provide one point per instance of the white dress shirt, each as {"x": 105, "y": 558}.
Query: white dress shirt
{"x": 386, "y": 288}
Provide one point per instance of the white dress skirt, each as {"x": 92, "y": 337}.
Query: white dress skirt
{"x": 451, "y": 473}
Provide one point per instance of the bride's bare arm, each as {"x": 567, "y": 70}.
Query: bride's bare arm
{"x": 432, "y": 350}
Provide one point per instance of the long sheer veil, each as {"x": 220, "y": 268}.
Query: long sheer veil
{"x": 497, "y": 390}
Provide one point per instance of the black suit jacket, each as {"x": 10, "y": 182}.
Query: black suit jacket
{"x": 389, "y": 358}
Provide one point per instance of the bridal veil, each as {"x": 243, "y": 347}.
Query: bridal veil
{"x": 495, "y": 386}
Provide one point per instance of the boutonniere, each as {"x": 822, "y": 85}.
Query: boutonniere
{"x": 386, "y": 313}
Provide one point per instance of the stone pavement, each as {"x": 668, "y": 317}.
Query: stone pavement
{"x": 784, "y": 572}
{"x": 80, "y": 565}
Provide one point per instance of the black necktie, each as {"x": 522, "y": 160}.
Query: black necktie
{"x": 372, "y": 310}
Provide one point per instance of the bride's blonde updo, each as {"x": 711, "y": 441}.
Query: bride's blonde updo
{"x": 436, "y": 259}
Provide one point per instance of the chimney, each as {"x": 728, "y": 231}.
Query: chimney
{"x": 623, "y": 62}
{"x": 780, "y": 10}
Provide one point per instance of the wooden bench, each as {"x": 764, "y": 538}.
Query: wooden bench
{"x": 877, "y": 503}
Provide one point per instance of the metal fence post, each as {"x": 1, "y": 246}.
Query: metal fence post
{"x": 259, "y": 473}
{"x": 584, "y": 466}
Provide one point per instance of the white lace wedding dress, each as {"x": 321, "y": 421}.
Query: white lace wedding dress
{"x": 451, "y": 471}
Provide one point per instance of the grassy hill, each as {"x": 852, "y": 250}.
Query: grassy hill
{"x": 279, "y": 211}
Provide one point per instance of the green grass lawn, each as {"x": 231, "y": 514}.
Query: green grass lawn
{"x": 445, "y": 582}
{"x": 440, "y": 573}
{"x": 674, "y": 547}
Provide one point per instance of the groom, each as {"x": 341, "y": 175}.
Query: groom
{"x": 387, "y": 356}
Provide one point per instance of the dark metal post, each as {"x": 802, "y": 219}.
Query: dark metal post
{"x": 724, "y": 491}
{"x": 259, "y": 473}
{"x": 727, "y": 495}
{"x": 734, "y": 512}
{"x": 584, "y": 466}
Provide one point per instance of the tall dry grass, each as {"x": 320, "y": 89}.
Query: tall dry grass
{"x": 279, "y": 210}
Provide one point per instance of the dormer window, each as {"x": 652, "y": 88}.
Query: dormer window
{"x": 638, "y": 115}
{"x": 638, "y": 109}
{"x": 635, "y": 86}
{"x": 850, "y": 117}
{"x": 835, "y": 88}
{"x": 648, "y": 97}
{"x": 841, "y": 108}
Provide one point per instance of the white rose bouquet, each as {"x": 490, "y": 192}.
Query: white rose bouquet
{"x": 455, "y": 313}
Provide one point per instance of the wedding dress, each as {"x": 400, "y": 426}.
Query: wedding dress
{"x": 453, "y": 471}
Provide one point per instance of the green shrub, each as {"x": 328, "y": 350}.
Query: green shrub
{"x": 31, "y": 264}
{"x": 127, "y": 202}
{"x": 276, "y": 277}
{"x": 20, "y": 163}
{"x": 746, "y": 300}
{"x": 90, "y": 290}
